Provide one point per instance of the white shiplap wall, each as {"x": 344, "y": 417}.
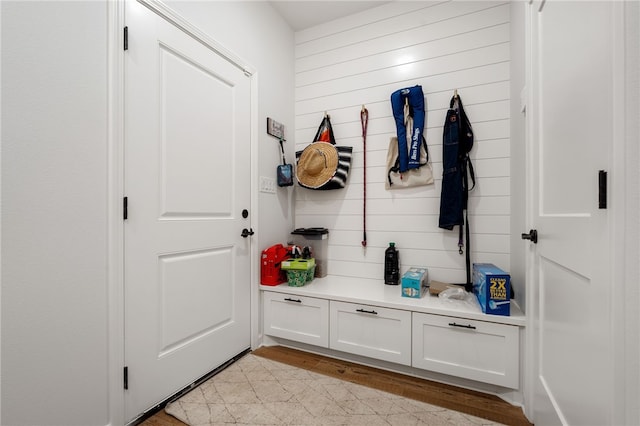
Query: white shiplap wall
{"x": 362, "y": 59}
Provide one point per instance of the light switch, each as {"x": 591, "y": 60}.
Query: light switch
{"x": 267, "y": 185}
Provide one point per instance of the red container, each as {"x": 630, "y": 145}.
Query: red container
{"x": 270, "y": 271}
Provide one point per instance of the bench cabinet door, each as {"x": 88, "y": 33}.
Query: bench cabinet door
{"x": 476, "y": 350}
{"x": 303, "y": 319}
{"x": 371, "y": 331}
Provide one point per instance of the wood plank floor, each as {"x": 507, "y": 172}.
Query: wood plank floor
{"x": 475, "y": 403}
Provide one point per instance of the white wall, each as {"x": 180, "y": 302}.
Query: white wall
{"x": 55, "y": 286}
{"x": 54, "y": 211}
{"x": 362, "y": 59}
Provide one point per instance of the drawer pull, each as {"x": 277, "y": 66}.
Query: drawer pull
{"x": 367, "y": 312}
{"x": 288, "y": 299}
{"x": 469, "y": 326}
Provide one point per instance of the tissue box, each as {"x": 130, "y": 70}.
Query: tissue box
{"x": 414, "y": 282}
{"x": 492, "y": 287}
{"x": 299, "y": 271}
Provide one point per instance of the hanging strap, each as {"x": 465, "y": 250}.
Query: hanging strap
{"x": 364, "y": 121}
{"x": 466, "y": 162}
{"x": 284, "y": 161}
{"x": 466, "y": 166}
{"x": 468, "y": 284}
{"x": 461, "y": 243}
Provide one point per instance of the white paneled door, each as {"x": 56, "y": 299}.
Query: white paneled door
{"x": 187, "y": 142}
{"x": 571, "y": 117}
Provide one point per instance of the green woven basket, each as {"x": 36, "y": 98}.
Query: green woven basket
{"x": 299, "y": 271}
{"x": 297, "y": 278}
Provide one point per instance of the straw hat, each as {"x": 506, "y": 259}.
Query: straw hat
{"x": 317, "y": 164}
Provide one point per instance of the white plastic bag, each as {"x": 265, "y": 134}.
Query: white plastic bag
{"x": 458, "y": 296}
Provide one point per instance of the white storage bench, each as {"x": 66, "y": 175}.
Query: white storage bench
{"x": 368, "y": 318}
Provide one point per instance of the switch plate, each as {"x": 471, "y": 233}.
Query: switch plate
{"x": 267, "y": 185}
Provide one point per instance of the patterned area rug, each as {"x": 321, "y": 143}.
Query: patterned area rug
{"x": 259, "y": 391}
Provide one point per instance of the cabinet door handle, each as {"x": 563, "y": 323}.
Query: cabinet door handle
{"x": 288, "y": 299}
{"x": 367, "y": 312}
{"x": 469, "y": 326}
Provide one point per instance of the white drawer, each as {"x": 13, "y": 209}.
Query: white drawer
{"x": 303, "y": 319}
{"x": 475, "y": 350}
{"x": 371, "y": 331}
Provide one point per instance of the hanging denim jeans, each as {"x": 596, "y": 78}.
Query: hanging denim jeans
{"x": 409, "y": 156}
{"x": 453, "y": 192}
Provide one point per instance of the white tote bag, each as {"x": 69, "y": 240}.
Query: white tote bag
{"x": 423, "y": 175}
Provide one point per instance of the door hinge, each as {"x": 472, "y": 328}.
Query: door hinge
{"x": 602, "y": 189}
{"x": 126, "y": 38}
{"x": 125, "y": 376}
{"x": 125, "y": 208}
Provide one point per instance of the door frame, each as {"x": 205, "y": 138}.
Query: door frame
{"x": 115, "y": 190}
{"x": 624, "y": 233}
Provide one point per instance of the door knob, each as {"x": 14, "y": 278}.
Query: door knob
{"x": 532, "y": 236}
{"x": 246, "y": 232}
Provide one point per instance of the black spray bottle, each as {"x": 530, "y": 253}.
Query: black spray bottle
{"x": 391, "y": 265}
